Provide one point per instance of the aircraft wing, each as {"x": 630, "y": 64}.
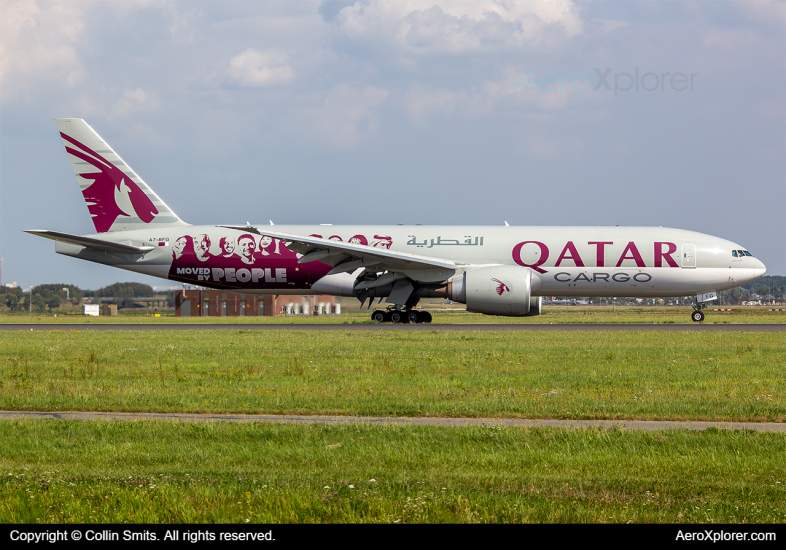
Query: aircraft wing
{"x": 347, "y": 257}
{"x": 90, "y": 242}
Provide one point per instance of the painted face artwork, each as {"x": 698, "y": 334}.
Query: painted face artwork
{"x": 247, "y": 245}
{"x": 202, "y": 247}
{"x": 179, "y": 247}
{"x": 264, "y": 243}
{"x": 227, "y": 246}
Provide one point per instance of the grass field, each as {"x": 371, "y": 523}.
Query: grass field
{"x": 68, "y": 471}
{"x": 442, "y": 314}
{"x": 576, "y": 375}
{"x": 151, "y": 472}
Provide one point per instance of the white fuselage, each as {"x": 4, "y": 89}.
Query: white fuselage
{"x": 568, "y": 261}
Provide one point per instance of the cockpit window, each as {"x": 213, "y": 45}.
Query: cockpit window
{"x": 733, "y": 253}
{"x": 748, "y": 253}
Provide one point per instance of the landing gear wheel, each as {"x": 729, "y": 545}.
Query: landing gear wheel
{"x": 697, "y": 316}
{"x": 414, "y": 317}
{"x": 378, "y": 316}
{"x": 397, "y": 317}
{"x": 425, "y": 317}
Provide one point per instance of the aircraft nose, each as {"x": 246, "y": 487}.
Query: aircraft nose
{"x": 759, "y": 268}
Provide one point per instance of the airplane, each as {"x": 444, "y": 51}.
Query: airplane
{"x": 495, "y": 270}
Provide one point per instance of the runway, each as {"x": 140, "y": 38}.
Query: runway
{"x": 646, "y": 425}
{"x": 768, "y": 327}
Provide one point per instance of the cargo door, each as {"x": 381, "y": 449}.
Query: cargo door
{"x": 689, "y": 255}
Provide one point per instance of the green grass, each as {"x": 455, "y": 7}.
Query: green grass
{"x": 572, "y": 375}
{"x": 178, "y": 472}
{"x": 551, "y": 314}
{"x": 151, "y": 472}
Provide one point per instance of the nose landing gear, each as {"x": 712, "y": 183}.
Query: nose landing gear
{"x": 698, "y": 315}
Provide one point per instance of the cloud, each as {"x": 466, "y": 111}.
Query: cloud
{"x": 421, "y": 101}
{"x": 115, "y": 102}
{"x": 341, "y": 116}
{"x": 605, "y": 26}
{"x": 133, "y": 102}
{"x": 256, "y": 69}
{"x": 460, "y": 26}
{"x": 182, "y": 23}
{"x": 503, "y": 95}
{"x": 762, "y": 12}
{"x": 38, "y": 46}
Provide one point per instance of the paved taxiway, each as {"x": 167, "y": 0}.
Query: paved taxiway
{"x": 769, "y": 327}
{"x": 646, "y": 425}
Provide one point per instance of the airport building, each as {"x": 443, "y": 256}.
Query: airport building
{"x": 219, "y": 303}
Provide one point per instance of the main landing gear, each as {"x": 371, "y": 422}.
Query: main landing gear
{"x": 398, "y": 316}
{"x": 698, "y": 316}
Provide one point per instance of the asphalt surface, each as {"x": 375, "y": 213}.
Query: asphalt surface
{"x": 693, "y": 327}
{"x": 645, "y": 425}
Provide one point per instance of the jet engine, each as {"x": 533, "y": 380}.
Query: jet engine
{"x": 498, "y": 290}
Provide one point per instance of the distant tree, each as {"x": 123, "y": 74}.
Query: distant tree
{"x": 53, "y": 302}
{"x": 123, "y": 293}
{"x": 38, "y": 302}
{"x": 739, "y": 294}
{"x": 74, "y": 294}
{"x": 12, "y": 301}
{"x": 125, "y": 290}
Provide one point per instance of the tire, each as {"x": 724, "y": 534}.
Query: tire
{"x": 397, "y": 317}
{"x": 425, "y": 317}
{"x": 697, "y": 316}
{"x": 414, "y": 317}
{"x": 378, "y": 316}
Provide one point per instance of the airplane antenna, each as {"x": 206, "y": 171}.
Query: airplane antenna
{"x": 271, "y": 222}
{"x": 507, "y": 224}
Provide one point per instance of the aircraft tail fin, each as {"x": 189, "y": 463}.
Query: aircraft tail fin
{"x": 117, "y": 198}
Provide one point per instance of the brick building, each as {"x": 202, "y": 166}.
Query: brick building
{"x": 219, "y": 303}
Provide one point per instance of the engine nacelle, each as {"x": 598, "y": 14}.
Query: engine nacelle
{"x": 499, "y": 290}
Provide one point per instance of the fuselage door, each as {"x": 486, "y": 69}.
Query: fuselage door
{"x": 689, "y": 255}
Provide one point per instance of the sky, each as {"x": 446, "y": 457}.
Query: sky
{"x": 422, "y": 111}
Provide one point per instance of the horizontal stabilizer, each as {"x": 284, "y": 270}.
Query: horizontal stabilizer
{"x": 91, "y": 242}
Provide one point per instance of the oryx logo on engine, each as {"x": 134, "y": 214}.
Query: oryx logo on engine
{"x": 501, "y": 287}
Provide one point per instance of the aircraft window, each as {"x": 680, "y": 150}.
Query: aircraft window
{"x": 748, "y": 253}
{"x": 733, "y": 253}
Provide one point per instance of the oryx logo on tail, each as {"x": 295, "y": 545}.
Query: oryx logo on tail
{"x": 501, "y": 287}
{"x": 112, "y": 193}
